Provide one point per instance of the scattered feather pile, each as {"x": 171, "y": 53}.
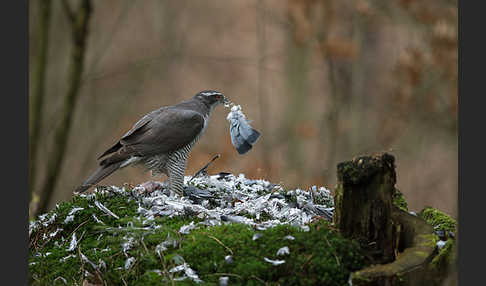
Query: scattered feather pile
{"x": 228, "y": 198}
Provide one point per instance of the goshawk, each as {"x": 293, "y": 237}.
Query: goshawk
{"x": 161, "y": 140}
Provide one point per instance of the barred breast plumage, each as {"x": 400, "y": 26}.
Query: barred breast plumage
{"x": 174, "y": 163}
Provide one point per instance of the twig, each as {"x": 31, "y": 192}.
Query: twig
{"x": 162, "y": 259}
{"x": 124, "y": 282}
{"x": 82, "y": 265}
{"x": 115, "y": 254}
{"x": 68, "y": 10}
{"x": 307, "y": 260}
{"x": 259, "y": 279}
{"x": 134, "y": 265}
{"x": 144, "y": 246}
{"x": 337, "y": 258}
{"x": 218, "y": 241}
{"x": 95, "y": 268}
{"x": 78, "y": 227}
{"x": 81, "y": 237}
{"x": 180, "y": 239}
{"x": 204, "y": 169}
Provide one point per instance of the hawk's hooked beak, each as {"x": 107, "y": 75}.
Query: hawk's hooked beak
{"x": 224, "y": 100}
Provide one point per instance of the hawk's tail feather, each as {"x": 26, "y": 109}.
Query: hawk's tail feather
{"x": 112, "y": 149}
{"x": 101, "y": 173}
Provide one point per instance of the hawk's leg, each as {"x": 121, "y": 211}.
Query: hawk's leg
{"x": 176, "y": 169}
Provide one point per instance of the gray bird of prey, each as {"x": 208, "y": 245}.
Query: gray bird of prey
{"x": 161, "y": 141}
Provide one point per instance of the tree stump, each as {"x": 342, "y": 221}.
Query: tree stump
{"x": 401, "y": 246}
{"x": 363, "y": 204}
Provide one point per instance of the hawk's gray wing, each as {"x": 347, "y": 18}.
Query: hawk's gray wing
{"x": 165, "y": 131}
{"x": 141, "y": 123}
{"x": 144, "y": 120}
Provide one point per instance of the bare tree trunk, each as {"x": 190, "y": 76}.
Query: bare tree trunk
{"x": 38, "y": 90}
{"x": 340, "y": 76}
{"x": 298, "y": 87}
{"x": 297, "y": 83}
{"x": 331, "y": 117}
{"x": 266, "y": 156}
{"x": 79, "y": 24}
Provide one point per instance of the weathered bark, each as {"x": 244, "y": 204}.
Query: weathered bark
{"x": 79, "y": 23}
{"x": 38, "y": 90}
{"x": 400, "y": 245}
{"x": 363, "y": 202}
{"x": 417, "y": 247}
{"x": 331, "y": 120}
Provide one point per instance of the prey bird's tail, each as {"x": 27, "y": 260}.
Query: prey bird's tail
{"x": 102, "y": 172}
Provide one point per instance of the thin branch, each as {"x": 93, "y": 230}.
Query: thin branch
{"x": 68, "y": 11}
{"x": 204, "y": 169}
{"x": 80, "y": 225}
{"x": 37, "y": 99}
{"x": 219, "y": 242}
{"x": 333, "y": 252}
{"x": 80, "y": 34}
{"x": 262, "y": 82}
{"x": 259, "y": 279}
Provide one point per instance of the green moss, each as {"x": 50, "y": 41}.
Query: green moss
{"x": 445, "y": 257}
{"x": 442, "y": 263}
{"x": 438, "y": 219}
{"x": 361, "y": 169}
{"x": 357, "y": 170}
{"x": 311, "y": 260}
{"x": 399, "y": 200}
{"x": 426, "y": 240}
{"x": 99, "y": 242}
{"x": 319, "y": 257}
{"x": 359, "y": 279}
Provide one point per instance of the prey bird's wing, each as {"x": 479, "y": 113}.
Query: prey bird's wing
{"x": 241, "y": 145}
{"x": 247, "y": 132}
{"x": 160, "y": 132}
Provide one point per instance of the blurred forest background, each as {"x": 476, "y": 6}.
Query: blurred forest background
{"x": 323, "y": 80}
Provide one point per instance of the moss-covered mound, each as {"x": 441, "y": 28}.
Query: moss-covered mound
{"x": 445, "y": 261}
{"x": 104, "y": 239}
{"x": 399, "y": 200}
{"x": 438, "y": 219}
